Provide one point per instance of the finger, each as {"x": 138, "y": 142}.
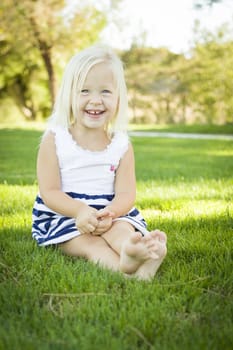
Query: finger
{"x": 91, "y": 228}
{"x": 94, "y": 222}
{"x": 104, "y": 212}
{"x": 100, "y": 231}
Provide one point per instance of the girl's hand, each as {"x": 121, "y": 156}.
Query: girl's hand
{"x": 105, "y": 217}
{"x": 103, "y": 226}
{"x": 86, "y": 220}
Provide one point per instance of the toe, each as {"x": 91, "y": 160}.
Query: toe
{"x": 160, "y": 235}
{"x": 154, "y": 255}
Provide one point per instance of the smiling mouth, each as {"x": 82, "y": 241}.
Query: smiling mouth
{"x": 94, "y": 113}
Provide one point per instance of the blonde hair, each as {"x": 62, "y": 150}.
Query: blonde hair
{"x": 65, "y": 107}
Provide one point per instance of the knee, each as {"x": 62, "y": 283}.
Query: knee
{"x": 85, "y": 246}
{"x": 78, "y": 246}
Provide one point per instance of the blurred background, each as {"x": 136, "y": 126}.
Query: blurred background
{"x": 178, "y": 55}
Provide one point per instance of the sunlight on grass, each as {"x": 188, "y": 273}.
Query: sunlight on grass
{"x": 197, "y": 209}
{"x": 220, "y": 153}
{"x": 211, "y": 189}
{"x": 15, "y": 198}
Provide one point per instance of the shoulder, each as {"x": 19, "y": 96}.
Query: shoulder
{"x": 47, "y": 136}
{"x": 120, "y": 143}
{"x": 47, "y": 145}
{"x": 121, "y": 139}
{"x": 55, "y": 130}
{"x": 121, "y": 135}
{"x": 53, "y": 135}
{"x": 47, "y": 154}
{"x": 49, "y": 139}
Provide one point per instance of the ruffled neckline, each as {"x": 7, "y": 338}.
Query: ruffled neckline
{"x": 104, "y": 150}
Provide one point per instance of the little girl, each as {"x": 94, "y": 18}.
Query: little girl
{"x": 86, "y": 173}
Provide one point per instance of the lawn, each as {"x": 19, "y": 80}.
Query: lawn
{"x": 226, "y": 129}
{"x": 50, "y": 302}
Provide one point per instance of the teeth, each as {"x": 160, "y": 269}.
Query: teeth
{"x": 94, "y": 112}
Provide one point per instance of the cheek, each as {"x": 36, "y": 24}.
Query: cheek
{"x": 81, "y": 104}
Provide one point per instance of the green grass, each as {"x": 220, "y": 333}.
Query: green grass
{"x": 185, "y": 128}
{"x": 49, "y": 301}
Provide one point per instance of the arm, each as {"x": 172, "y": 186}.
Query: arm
{"x": 125, "y": 185}
{"x": 49, "y": 180}
{"x": 125, "y": 193}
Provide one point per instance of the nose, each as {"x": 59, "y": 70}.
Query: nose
{"x": 96, "y": 98}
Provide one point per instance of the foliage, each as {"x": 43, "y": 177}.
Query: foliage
{"x": 50, "y": 301}
{"x": 151, "y": 81}
{"x": 36, "y": 35}
{"x": 165, "y": 87}
{"x": 211, "y": 87}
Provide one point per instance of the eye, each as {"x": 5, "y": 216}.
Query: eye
{"x": 106, "y": 92}
{"x": 84, "y": 91}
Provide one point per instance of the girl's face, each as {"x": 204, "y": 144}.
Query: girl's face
{"x": 98, "y": 99}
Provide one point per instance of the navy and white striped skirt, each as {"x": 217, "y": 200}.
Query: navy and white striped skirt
{"x": 49, "y": 227}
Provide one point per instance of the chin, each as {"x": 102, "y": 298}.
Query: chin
{"x": 95, "y": 123}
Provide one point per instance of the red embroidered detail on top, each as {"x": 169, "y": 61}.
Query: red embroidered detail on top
{"x": 112, "y": 168}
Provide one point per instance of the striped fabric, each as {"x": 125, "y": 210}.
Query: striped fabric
{"x": 50, "y": 227}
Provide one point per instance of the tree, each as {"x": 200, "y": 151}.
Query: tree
{"x": 153, "y": 83}
{"x": 39, "y": 31}
{"x": 212, "y": 81}
{"x": 167, "y": 88}
{"x": 16, "y": 74}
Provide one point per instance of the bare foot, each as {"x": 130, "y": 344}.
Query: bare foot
{"x": 137, "y": 250}
{"x": 148, "y": 269}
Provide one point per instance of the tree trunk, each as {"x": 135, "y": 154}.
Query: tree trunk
{"x": 47, "y": 58}
{"x": 45, "y": 51}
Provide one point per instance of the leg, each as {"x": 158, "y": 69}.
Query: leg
{"x": 134, "y": 250}
{"x": 123, "y": 239}
{"x": 149, "y": 268}
{"x": 93, "y": 248}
